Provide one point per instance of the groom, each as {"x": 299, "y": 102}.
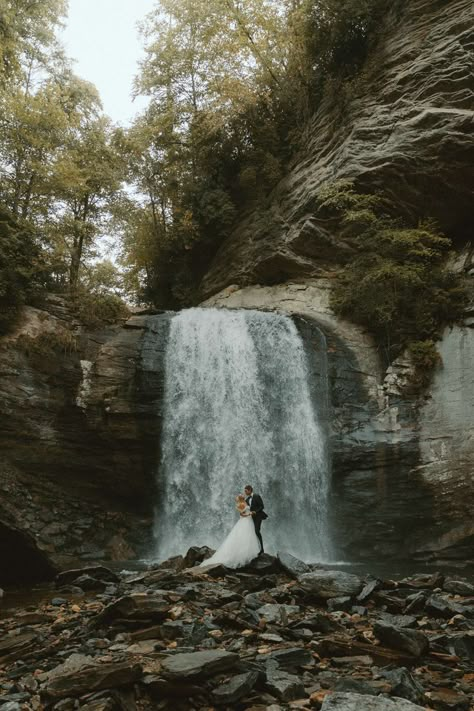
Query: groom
{"x": 256, "y": 509}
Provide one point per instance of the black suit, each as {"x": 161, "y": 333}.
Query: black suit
{"x": 259, "y": 516}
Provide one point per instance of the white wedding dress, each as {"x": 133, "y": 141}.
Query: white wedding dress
{"x": 240, "y": 547}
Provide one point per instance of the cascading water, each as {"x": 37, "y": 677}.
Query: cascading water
{"x": 238, "y": 409}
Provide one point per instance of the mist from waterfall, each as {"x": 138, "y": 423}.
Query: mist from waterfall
{"x": 238, "y": 409}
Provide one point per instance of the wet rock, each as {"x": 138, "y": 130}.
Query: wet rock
{"x": 87, "y": 582}
{"x": 14, "y": 646}
{"x": 99, "y": 572}
{"x": 440, "y": 607}
{"x": 318, "y": 623}
{"x": 463, "y": 646}
{"x": 285, "y": 687}
{"x": 341, "y": 701}
{"x": 277, "y": 613}
{"x": 426, "y": 581}
{"x": 196, "y": 555}
{"x": 289, "y": 658}
{"x": 326, "y": 584}
{"x": 136, "y": 606}
{"x": 412, "y": 641}
{"x": 458, "y": 587}
{"x": 230, "y": 692}
{"x": 339, "y": 603}
{"x": 368, "y": 589}
{"x": 448, "y": 700}
{"x": 198, "y": 664}
{"x": 265, "y": 565}
{"x": 291, "y": 565}
{"x": 403, "y": 621}
{"x": 92, "y": 678}
{"x": 404, "y": 685}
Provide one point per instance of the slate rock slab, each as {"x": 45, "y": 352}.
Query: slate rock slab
{"x": 326, "y": 584}
{"x": 135, "y": 606}
{"x": 99, "y": 572}
{"x": 277, "y": 613}
{"x": 412, "y": 641}
{"x": 293, "y": 566}
{"x": 236, "y": 688}
{"x": 93, "y": 678}
{"x": 404, "y": 685}
{"x": 341, "y": 701}
{"x": 285, "y": 687}
{"x": 198, "y": 664}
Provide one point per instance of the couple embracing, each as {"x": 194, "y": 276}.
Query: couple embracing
{"x": 244, "y": 542}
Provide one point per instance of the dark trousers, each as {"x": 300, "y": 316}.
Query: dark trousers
{"x": 257, "y": 522}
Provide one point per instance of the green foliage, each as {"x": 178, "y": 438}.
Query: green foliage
{"x": 397, "y": 285}
{"x": 97, "y": 309}
{"x": 22, "y": 270}
{"x": 48, "y": 343}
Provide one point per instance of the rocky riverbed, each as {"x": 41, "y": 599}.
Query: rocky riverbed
{"x": 277, "y": 635}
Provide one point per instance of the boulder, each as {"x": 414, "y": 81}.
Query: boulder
{"x": 285, "y": 687}
{"x": 407, "y": 640}
{"x": 326, "y": 584}
{"x": 92, "y": 678}
{"x": 404, "y": 685}
{"x": 341, "y": 701}
{"x": 198, "y": 664}
{"x": 293, "y": 566}
{"x": 234, "y": 689}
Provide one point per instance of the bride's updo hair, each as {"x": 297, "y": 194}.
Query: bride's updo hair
{"x": 240, "y": 502}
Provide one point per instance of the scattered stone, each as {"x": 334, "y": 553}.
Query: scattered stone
{"x": 99, "y": 572}
{"x": 233, "y": 690}
{"x": 135, "y": 606}
{"x": 448, "y": 700}
{"x": 285, "y": 687}
{"x": 93, "y": 678}
{"x": 412, "y": 641}
{"x": 196, "y": 555}
{"x": 293, "y": 566}
{"x": 326, "y": 584}
{"x": 199, "y": 664}
{"x": 290, "y": 658}
{"x": 404, "y": 685}
{"x": 339, "y": 603}
{"x": 277, "y": 613}
{"x": 458, "y": 587}
{"x": 341, "y": 701}
{"x": 439, "y": 607}
{"x": 368, "y": 589}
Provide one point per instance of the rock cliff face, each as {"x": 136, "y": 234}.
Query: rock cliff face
{"x": 80, "y": 437}
{"x": 405, "y": 126}
{"x": 81, "y": 412}
{"x": 402, "y": 468}
{"x": 78, "y": 441}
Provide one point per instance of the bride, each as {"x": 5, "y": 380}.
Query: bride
{"x": 241, "y": 545}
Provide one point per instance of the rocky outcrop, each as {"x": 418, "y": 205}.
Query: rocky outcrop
{"x": 79, "y": 439}
{"x": 175, "y": 637}
{"x": 401, "y": 466}
{"x": 404, "y": 126}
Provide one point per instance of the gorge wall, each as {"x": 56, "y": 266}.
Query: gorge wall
{"x": 80, "y": 438}
{"x": 81, "y": 411}
{"x": 404, "y": 126}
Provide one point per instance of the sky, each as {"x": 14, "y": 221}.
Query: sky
{"x": 102, "y": 36}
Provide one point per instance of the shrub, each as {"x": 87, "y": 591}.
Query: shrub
{"x": 22, "y": 271}
{"x": 96, "y": 309}
{"x": 398, "y": 285}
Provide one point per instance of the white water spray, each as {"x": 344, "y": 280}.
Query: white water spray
{"x": 238, "y": 409}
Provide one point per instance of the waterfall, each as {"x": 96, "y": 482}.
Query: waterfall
{"x": 238, "y": 409}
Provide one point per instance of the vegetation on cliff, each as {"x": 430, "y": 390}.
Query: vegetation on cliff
{"x": 398, "y": 284}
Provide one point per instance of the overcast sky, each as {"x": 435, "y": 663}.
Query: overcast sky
{"x": 102, "y": 36}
